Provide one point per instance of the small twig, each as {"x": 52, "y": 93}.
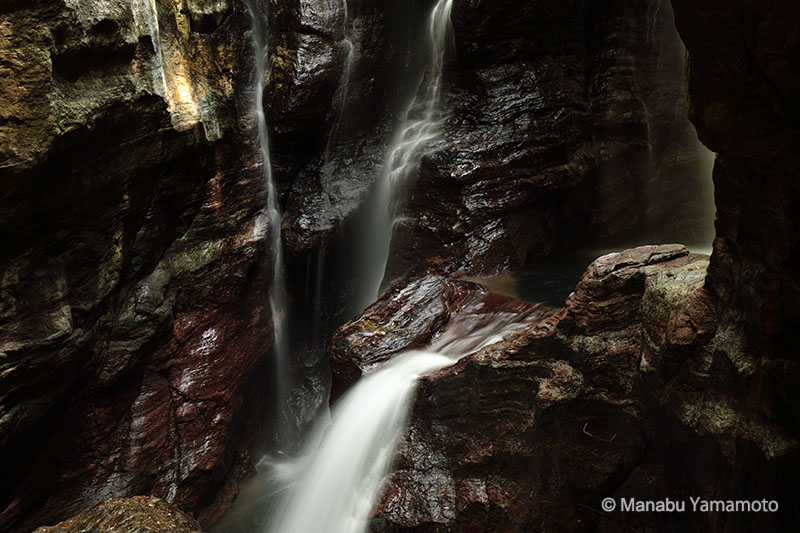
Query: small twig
{"x": 592, "y": 509}
{"x": 586, "y": 425}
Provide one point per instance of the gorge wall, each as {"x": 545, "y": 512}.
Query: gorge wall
{"x": 743, "y": 101}
{"x": 135, "y": 330}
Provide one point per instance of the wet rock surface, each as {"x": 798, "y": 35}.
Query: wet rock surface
{"x": 550, "y": 133}
{"x": 555, "y": 135}
{"x": 132, "y": 331}
{"x": 650, "y": 355}
{"x": 133, "y": 324}
{"x": 339, "y": 75}
{"x": 409, "y": 316}
{"x": 139, "y": 514}
{"x": 412, "y": 315}
{"x": 657, "y": 350}
{"x": 592, "y": 403}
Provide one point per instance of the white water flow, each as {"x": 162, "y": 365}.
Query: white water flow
{"x": 421, "y": 123}
{"x": 348, "y": 461}
{"x": 278, "y": 299}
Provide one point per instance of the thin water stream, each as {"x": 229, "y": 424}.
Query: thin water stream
{"x": 278, "y": 297}
{"x": 421, "y": 123}
{"x": 333, "y": 484}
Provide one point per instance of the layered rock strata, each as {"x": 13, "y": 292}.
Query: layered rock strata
{"x": 133, "y": 329}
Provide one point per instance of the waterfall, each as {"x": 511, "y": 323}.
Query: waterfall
{"x": 278, "y": 298}
{"x": 336, "y": 491}
{"x": 332, "y": 485}
{"x": 348, "y": 461}
{"x": 421, "y": 123}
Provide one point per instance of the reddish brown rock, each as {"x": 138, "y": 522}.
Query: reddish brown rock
{"x": 134, "y": 331}
{"x": 408, "y": 316}
{"x": 412, "y": 315}
{"x": 590, "y": 403}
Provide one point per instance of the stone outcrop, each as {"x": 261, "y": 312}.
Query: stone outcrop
{"x": 140, "y": 514}
{"x": 743, "y": 100}
{"x": 412, "y": 315}
{"x": 592, "y": 403}
{"x": 133, "y": 328}
{"x": 409, "y": 316}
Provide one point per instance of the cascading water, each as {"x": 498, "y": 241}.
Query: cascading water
{"x": 421, "y": 123}
{"x": 349, "y": 460}
{"x": 335, "y": 493}
{"x": 332, "y": 485}
{"x": 278, "y": 299}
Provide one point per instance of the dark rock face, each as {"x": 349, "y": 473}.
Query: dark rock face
{"x": 555, "y": 136}
{"x": 133, "y": 327}
{"x": 744, "y": 104}
{"x": 567, "y": 120}
{"x": 594, "y": 402}
{"x": 139, "y": 514}
{"x": 338, "y": 76}
{"x": 409, "y": 316}
{"x": 551, "y": 132}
